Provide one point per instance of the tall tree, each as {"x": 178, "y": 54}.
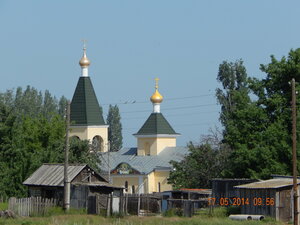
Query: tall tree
{"x": 115, "y": 128}
{"x": 259, "y": 132}
{"x": 62, "y": 104}
{"x": 82, "y": 152}
{"x": 205, "y": 161}
{"x": 244, "y": 125}
{"x": 7, "y": 155}
{"x": 234, "y": 94}
{"x": 50, "y": 105}
{"x": 31, "y": 133}
{"x": 274, "y": 96}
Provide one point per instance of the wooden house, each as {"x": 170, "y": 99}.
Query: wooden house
{"x": 48, "y": 182}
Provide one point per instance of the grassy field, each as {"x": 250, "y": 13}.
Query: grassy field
{"x": 3, "y": 205}
{"x": 132, "y": 220}
{"x": 60, "y": 218}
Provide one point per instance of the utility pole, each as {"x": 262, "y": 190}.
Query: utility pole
{"x": 66, "y": 178}
{"x": 108, "y": 150}
{"x": 295, "y": 185}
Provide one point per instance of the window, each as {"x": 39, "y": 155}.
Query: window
{"x": 147, "y": 148}
{"x": 126, "y": 186}
{"x": 97, "y": 144}
{"x": 132, "y": 189}
{"x": 158, "y": 186}
{"x": 74, "y": 138}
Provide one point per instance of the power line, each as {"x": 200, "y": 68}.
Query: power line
{"x": 173, "y": 108}
{"x": 169, "y": 115}
{"x": 175, "y": 125}
{"x": 129, "y": 102}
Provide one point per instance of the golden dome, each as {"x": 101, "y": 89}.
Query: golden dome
{"x": 156, "y": 97}
{"x": 84, "y": 61}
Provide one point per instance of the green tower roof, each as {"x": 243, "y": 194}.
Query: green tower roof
{"x": 156, "y": 124}
{"x": 85, "y": 108}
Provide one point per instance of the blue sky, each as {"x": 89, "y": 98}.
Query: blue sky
{"x": 132, "y": 42}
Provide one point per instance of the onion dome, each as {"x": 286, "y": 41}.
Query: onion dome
{"x": 84, "y": 61}
{"x": 156, "y": 97}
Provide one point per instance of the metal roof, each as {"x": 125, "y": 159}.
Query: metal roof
{"x": 143, "y": 164}
{"x": 99, "y": 184}
{"x": 53, "y": 174}
{"x": 269, "y": 184}
{"x": 156, "y": 124}
{"x": 194, "y": 190}
{"x": 85, "y": 109}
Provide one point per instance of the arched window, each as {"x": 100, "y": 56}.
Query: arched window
{"x": 126, "y": 186}
{"x": 147, "y": 148}
{"x": 132, "y": 189}
{"x": 97, "y": 144}
{"x": 74, "y": 138}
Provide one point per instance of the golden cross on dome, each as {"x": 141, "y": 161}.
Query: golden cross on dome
{"x": 156, "y": 83}
{"x": 84, "y": 43}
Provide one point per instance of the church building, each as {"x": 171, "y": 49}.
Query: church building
{"x": 141, "y": 169}
{"x": 86, "y": 118}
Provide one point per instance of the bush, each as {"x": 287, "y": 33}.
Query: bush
{"x": 3, "y": 206}
{"x": 233, "y": 210}
{"x": 219, "y": 212}
{"x": 53, "y": 211}
{"x": 173, "y": 212}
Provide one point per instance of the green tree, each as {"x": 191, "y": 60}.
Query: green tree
{"x": 31, "y": 133}
{"x": 274, "y": 96}
{"x": 62, "y": 104}
{"x": 82, "y": 152}
{"x": 115, "y": 128}
{"x": 197, "y": 169}
{"x": 259, "y": 130}
{"x": 50, "y": 105}
{"x": 205, "y": 161}
{"x": 7, "y": 120}
{"x": 235, "y": 92}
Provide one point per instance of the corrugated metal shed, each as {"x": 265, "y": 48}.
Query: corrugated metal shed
{"x": 224, "y": 187}
{"x": 272, "y": 197}
{"x": 53, "y": 174}
{"x": 269, "y": 184}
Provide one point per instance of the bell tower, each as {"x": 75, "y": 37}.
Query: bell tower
{"x": 156, "y": 134}
{"x": 86, "y": 117}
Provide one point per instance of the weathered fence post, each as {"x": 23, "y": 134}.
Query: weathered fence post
{"x": 126, "y": 206}
{"x": 139, "y": 204}
{"x": 108, "y": 206}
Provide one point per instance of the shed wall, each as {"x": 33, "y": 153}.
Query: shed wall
{"x": 255, "y": 196}
{"x": 224, "y": 188}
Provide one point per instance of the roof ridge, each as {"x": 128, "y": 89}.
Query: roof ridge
{"x": 62, "y": 164}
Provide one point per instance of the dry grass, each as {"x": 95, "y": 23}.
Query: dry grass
{"x": 132, "y": 220}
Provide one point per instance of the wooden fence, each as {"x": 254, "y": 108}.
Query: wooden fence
{"x": 186, "y": 207}
{"x": 34, "y": 206}
{"x": 142, "y": 204}
{"x": 129, "y": 204}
